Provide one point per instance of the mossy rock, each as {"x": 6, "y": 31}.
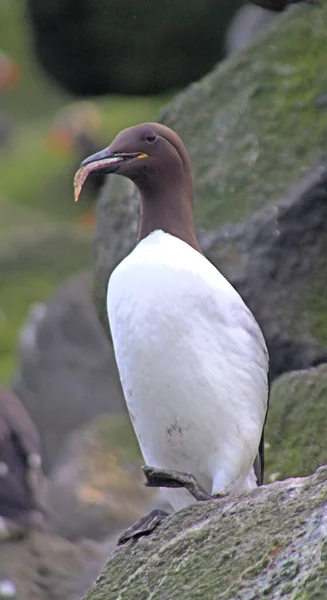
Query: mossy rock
{"x": 255, "y": 129}
{"x": 297, "y": 424}
{"x": 270, "y": 543}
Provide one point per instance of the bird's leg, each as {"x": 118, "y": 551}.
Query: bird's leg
{"x": 170, "y": 479}
{"x": 143, "y": 526}
{"x": 176, "y": 479}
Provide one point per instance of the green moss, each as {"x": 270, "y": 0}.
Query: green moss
{"x": 316, "y": 307}
{"x": 297, "y": 424}
{"x": 273, "y": 550}
{"x": 262, "y": 110}
{"x": 314, "y": 587}
{"x": 254, "y": 571}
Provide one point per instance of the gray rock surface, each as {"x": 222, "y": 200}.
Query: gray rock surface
{"x": 247, "y": 24}
{"x": 67, "y": 374}
{"x": 270, "y": 543}
{"x": 276, "y": 261}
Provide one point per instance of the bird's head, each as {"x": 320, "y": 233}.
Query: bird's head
{"x": 151, "y": 155}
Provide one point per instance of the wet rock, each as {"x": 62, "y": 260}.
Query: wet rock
{"x": 67, "y": 374}
{"x": 270, "y": 543}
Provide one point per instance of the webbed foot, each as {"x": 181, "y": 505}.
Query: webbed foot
{"x": 175, "y": 479}
{"x": 143, "y": 526}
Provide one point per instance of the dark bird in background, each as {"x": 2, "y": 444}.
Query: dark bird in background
{"x": 76, "y": 131}
{"x": 20, "y": 469}
{"x": 279, "y": 5}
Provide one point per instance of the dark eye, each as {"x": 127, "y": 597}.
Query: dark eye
{"x": 151, "y": 137}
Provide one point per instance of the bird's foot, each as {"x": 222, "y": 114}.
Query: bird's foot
{"x": 143, "y": 526}
{"x": 156, "y": 477}
{"x": 175, "y": 479}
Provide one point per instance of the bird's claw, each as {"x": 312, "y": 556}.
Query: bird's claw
{"x": 143, "y": 526}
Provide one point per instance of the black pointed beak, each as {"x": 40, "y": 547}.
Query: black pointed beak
{"x": 104, "y": 161}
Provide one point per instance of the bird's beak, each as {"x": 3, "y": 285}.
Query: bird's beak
{"x": 105, "y": 162}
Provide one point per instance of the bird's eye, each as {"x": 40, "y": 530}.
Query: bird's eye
{"x": 151, "y": 137}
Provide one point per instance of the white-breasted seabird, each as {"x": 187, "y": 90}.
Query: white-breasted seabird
{"x": 192, "y": 359}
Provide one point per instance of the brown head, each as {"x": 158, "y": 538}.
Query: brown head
{"x": 155, "y": 159}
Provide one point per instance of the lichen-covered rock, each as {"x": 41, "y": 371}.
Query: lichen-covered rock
{"x": 270, "y": 543}
{"x": 255, "y": 129}
{"x": 296, "y": 435}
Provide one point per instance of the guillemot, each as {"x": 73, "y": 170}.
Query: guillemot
{"x": 191, "y": 357}
{"x": 20, "y": 469}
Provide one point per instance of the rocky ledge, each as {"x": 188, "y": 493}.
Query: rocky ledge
{"x": 270, "y": 543}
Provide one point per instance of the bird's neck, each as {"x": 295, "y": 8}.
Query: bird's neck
{"x": 171, "y": 212}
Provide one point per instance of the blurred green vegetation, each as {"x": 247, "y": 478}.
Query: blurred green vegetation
{"x": 42, "y": 237}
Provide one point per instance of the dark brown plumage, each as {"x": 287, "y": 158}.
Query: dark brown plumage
{"x": 163, "y": 177}
{"x": 20, "y": 463}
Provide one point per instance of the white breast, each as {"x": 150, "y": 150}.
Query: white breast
{"x": 193, "y": 364}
